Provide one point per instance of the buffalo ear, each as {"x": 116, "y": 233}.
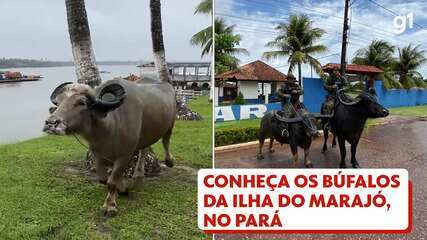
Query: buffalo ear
{"x": 58, "y": 90}
{"x": 372, "y": 91}
{"x": 52, "y": 109}
{"x": 109, "y": 97}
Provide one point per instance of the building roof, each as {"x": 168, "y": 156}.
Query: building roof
{"x": 254, "y": 71}
{"x": 352, "y": 68}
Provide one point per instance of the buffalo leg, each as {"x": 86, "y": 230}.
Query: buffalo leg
{"x": 101, "y": 169}
{"x": 307, "y": 162}
{"x": 325, "y": 138}
{"x": 139, "y": 171}
{"x": 341, "y": 142}
{"x": 166, "y": 141}
{"x": 294, "y": 150}
{"x": 114, "y": 185}
{"x": 354, "y": 162}
{"x": 270, "y": 147}
{"x": 261, "y": 144}
{"x": 334, "y": 140}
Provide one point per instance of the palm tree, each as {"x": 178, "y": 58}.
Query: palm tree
{"x": 81, "y": 43}
{"x": 226, "y": 42}
{"x": 157, "y": 38}
{"x": 409, "y": 60}
{"x": 204, "y": 37}
{"x": 204, "y": 7}
{"x": 379, "y": 54}
{"x": 297, "y": 41}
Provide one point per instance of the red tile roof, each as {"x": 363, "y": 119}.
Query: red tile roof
{"x": 353, "y": 68}
{"x": 254, "y": 71}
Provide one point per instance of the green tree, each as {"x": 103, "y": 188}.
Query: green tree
{"x": 204, "y": 37}
{"x": 379, "y": 54}
{"x": 410, "y": 58}
{"x": 226, "y": 47}
{"x": 297, "y": 41}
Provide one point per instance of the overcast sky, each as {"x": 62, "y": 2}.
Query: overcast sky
{"x": 120, "y": 29}
{"x": 255, "y": 20}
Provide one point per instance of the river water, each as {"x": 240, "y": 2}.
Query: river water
{"x": 24, "y": 106}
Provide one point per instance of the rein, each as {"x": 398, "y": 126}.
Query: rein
{"x": 299, "y": 115}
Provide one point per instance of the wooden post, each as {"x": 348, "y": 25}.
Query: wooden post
{"x": 344, "y": 39}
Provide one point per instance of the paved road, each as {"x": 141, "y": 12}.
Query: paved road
{"x": 399, "y": 144}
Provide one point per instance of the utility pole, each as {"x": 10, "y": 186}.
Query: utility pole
{"x": 344, "y": 39}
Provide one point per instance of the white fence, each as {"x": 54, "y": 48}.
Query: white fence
{"x": 190, "y": 93}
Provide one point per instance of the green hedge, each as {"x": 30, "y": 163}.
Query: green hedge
{"x": 237, "y": 135}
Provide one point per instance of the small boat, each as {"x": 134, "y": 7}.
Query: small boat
{"x": 104, "y": 71}
{"x": 10, "y": 77}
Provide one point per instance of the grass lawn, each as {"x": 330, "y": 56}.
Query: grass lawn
{"x": 416, "y": 111}
{"x": 191, "y": 142}
{"x": 238, "y": 124}
{"x": 44, "y": 193}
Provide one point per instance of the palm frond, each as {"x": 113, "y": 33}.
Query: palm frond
{"x": 204, "y": 7}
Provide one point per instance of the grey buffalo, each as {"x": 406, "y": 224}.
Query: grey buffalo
{"x": 117, "y": 118}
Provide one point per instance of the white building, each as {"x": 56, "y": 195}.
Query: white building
{"x": 257, "y": 81}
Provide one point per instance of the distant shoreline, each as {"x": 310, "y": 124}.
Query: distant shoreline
{"x": 29, "y": 63}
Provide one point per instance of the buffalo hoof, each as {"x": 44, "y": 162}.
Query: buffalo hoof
{"x": 271, "y": 150}
{"x": 334, "y": 145}
{"x": 309, "y": 165}
{"x": 124, "y": 193}
{"x": 324, "y": 150}
{"x": 169, "y": 163}
{"x": 260, "y": 157}
{"x": 343, "y": 165}
{"x": 356, "y": 165}
{"x": 109, "y": 213}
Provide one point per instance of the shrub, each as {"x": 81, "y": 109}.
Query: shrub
{"x": 240, "y": 99}
{"x": 237, "y": 135}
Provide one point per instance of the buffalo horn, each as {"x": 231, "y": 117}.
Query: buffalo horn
{"x": 58, "y": 90}
{"x": 287, "y": 120}
{"x": 344, "y": 102}
{"x": 109, "y": 97}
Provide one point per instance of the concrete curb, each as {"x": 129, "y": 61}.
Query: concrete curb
{"x": 247, "y": 145}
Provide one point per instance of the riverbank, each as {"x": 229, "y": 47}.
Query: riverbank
{"x": 45, "y": 194}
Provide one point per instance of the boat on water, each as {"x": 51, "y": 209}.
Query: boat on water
{"x": 10, "y": 77}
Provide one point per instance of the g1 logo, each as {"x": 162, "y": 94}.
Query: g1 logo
{"x": 400, "y": 22}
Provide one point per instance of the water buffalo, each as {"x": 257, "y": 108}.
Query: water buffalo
{"x": 349, "y": 118}
{"x": 301, "y": 128}
{"x": 117, "y": 119}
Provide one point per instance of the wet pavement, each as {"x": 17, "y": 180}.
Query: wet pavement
{"x": 402, "y": 143}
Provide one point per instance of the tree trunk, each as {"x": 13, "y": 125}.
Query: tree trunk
{"x": 299, "y": 74}
{"x": 81, "y": 44}
{"x": 157, "y": 38}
